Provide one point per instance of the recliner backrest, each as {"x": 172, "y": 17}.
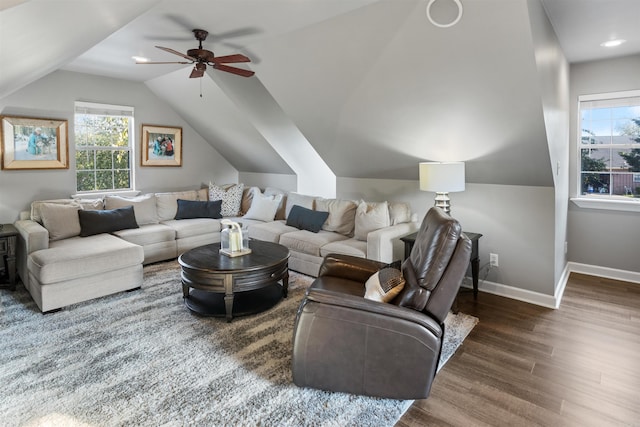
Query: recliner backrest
{"x": 435, "y": 244}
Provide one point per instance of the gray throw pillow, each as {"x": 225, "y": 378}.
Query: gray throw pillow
{"x": 106, "y": 221}
{"x": 198, "y": 209}
{"x": 306, "y": 219}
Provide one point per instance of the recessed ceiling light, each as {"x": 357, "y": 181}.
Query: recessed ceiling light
{"x": 612, "y": 43}
{"x": 140, "y": 59}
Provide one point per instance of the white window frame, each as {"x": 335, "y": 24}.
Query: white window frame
{"x": 607, "y": 202}
{"x": 81, "y": 107}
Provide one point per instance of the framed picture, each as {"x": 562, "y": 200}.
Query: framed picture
{"x": 32, "y": 143}
{"x": 161, "y": 146}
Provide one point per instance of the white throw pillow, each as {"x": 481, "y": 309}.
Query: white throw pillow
{"x": 231, "y": 196}
{"x": 384, "y": 285}
{"x": 144, "y": 207}
{"x": 263, "y": 208}
{"x": 370, "y": 217}
{"x": 60, "y": 220}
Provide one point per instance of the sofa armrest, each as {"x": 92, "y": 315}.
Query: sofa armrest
{"x": 33, "y": 235}
{"x": 384, "y": 244}
{"x": 349, "y": 267}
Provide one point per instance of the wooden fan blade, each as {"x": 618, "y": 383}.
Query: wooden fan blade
{"x": 195, "y": 73}
{"x": 229, "y": 59}
{"x": 175, "y": 62}
{"x": 234, "y": 70}
{"x": 175, "y": 52}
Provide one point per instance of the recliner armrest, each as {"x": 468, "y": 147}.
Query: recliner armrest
{"x": 325, "y": 296}
{"x": 349, "y": 267}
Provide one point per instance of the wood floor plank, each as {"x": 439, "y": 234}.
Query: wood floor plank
{"x": 526, "y": 365}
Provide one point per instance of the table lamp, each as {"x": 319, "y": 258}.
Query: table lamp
{"x": 442, "y": 178}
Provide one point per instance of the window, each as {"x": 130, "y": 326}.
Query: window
{"x": 609, "y": 146}
{"x": 104, "y": 149}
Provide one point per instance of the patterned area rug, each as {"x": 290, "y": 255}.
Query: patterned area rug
{"x": 143, "y": 359}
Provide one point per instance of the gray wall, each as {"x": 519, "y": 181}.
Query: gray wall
{"x": 553, "y": 72}
{"x": 601, "y": 237}
{"x": 53, "y": 96}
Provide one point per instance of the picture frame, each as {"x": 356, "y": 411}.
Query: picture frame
{"x": 160, "y": 145}
{"x": 34, "y": 143}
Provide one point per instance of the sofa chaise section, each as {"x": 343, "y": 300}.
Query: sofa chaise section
{"x": 82, "y": 268}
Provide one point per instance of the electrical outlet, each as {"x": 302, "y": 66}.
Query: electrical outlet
{"x": 566, "y": 247}
{"x": 493, "y": 260}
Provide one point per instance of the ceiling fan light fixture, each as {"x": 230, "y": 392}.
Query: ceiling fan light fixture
{"x": 140, "y": 59}
{"x": 612, "y": 43}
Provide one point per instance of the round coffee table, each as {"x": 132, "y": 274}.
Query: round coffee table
{"x": 214, "y": 284}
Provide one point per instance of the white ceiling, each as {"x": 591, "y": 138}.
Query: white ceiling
{"x": 582, "y": 25}
{"x": 361, "y": 79}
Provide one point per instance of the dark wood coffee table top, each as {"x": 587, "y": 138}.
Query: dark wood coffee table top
{"x": 212, "y": 282}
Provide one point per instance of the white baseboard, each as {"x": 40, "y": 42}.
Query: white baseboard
{"x": 515, "y": 293}
{"x": 550, "y": 301}
{"x": 606, "y": 272}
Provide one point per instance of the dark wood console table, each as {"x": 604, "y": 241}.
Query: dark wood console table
{"x": 475, "y": 256}
{"x": 8, "y": 243}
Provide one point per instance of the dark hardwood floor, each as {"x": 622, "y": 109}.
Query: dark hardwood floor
{"x": 526, "y": 365}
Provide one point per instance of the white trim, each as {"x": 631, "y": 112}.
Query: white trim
{"x": 609, "y": 95}
{"x": 549, "y": 301}
{"x": 524, "y": 295}
{"x": 630, "y": 205}
{"x": 606, "y": 272}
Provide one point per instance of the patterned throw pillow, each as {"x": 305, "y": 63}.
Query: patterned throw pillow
{"x": 384, "y": 285}
{"x": 231, "y": 197}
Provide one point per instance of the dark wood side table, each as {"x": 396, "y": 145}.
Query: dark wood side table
{"x": 8, "y": 243}
{"x": 475, "y": 256}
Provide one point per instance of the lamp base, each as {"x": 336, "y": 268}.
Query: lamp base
{"x": 443, "y": 202}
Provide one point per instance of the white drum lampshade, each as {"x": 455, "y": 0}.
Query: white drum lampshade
{"x": 442, "y": 178}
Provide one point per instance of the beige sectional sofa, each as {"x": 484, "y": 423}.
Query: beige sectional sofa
{"x": 60, "y": 266}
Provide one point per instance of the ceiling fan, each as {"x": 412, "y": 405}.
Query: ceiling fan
{"x": 202, "y": 57}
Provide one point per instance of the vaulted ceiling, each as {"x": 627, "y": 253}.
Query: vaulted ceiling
{"x": 371, "y": 85}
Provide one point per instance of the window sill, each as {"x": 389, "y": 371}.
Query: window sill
{"x": 630, "y": 205}
{"x": 101, "y": 194}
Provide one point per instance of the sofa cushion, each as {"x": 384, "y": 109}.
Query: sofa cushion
{"x": 144, "y": 207}
{"x": 300, "y": 200}
{"x": 86, "y": 204}
{"x": 306, "y": 219}
{"x": 399, "y": 213}
{"x": 342, "y": 215}
{"x": 167, "y": 203}
{"x": 370, "y": 217}
{"x": 349, "y": 246}
{"x": 384, "y": 285}
{"x": 60, "y": 220}
{"x": 281, "y": 212}
{"x": 193, "y": 227}
{"x": 270, "y": 231}
{"x": 231, "y": 196}
{"x": 308, "y": 242}
{"x": 148, "y": 234}
{"x": 188, "y": 209}
{"x": 106, "y": 221}
{"x": 263, "y": 208}
{"x": 247, "y": 199}
{"x": 83, "y": 257}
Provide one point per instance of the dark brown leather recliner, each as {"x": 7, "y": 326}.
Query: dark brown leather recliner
{"x": 344, "y": 342}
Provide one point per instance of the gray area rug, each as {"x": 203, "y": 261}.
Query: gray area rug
{"x": 143, "y": 359}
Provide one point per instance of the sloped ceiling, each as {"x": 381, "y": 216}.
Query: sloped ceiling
{"x": 372, "y": 85}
